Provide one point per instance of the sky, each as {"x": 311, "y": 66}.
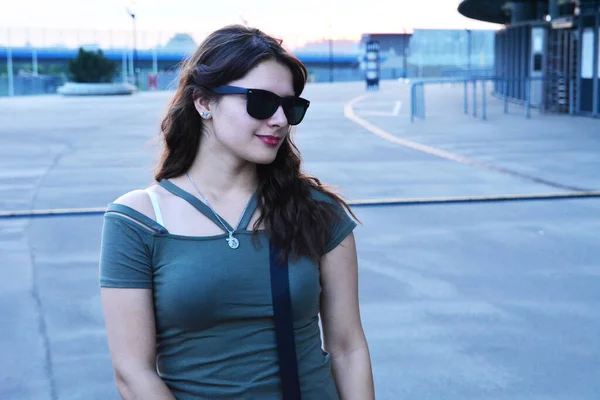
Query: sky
{"x": 294, "y": 21}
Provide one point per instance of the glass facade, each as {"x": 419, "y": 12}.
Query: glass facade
{"x": 460, "y": 48}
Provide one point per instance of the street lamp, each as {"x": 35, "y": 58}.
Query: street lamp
{"x": 468, "y": 49}
{"x": 135, "y": 70}
{"x": 330, "y": 55}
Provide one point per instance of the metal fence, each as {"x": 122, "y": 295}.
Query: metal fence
{"x": 534, "y": 95}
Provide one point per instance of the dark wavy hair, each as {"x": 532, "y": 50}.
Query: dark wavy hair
{"x": 294, "y": 221}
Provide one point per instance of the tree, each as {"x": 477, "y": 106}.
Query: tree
{"x": 91, "y": 67}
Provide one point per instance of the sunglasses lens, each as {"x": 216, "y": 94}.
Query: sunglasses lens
{"x": 262, "y": 104}
{"x": 295, "y": 109}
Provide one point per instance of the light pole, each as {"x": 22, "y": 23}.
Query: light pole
{"x": 135, "y": 70}
{"x": 468, "y": 49}
{"x": 330, "y": 55}
{"x": 404, "y": 53}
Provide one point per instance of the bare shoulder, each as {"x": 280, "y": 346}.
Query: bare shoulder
{"x": 139, "y": 201}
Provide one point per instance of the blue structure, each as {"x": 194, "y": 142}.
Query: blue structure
{"x": 432, "y": 52}
{"x": 24, "y": 63}
{"x": 165, "y": 58}
{"x": 548, "y": 51}
{"x": 424, "y": 52}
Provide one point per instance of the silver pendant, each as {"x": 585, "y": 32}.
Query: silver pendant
{"x": 233, "y": 242}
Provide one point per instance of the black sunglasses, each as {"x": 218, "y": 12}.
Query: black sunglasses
{"x": 262, "y": 104}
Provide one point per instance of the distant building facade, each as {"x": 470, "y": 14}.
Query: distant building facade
{"x": 432, "y": 52}
{"x": 548, "y": 51}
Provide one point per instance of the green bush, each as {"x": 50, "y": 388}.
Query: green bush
{"x": 91, "y": 67}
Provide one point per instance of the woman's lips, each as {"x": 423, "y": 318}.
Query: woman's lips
{"x": 270, "y": 140}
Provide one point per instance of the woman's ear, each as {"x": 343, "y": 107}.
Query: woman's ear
{"x": 202, "y": 105}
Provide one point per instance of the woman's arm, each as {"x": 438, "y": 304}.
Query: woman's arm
{"x": 342, "y": 328}
{"x": 129, "y": 316}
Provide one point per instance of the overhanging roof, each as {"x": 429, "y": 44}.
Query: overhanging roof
{"x": 495, "y": 11}
{"x": 485, "y": 10}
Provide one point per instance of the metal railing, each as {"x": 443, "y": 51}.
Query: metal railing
{"x": 524, "y": 84}
{"x": 466, "y": 72}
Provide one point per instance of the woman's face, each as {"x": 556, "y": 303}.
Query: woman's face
{"x": 233, "y": 130}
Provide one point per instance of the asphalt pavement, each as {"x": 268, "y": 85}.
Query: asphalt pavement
{"x": 490, "y": 300}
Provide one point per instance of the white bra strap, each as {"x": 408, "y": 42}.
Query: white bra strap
{"x": 157, "y": 212}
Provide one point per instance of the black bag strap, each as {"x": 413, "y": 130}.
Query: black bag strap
{"x": 284, "y": 326}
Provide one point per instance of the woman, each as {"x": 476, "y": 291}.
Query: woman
{"x": 184, "y": 266}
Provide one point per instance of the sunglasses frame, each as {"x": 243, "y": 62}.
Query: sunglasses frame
{"x": 228, "y": 89}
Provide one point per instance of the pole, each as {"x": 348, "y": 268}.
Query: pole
{"x": 469, "y": 50}
{"x": 419, "y": 102}
{"x": 9, "y": 67}
{"x": 34, "y": 61}
{"x": 404, "y": 59}
{"x": 422, "y": 101}
{"x": 595, "y": 94}
{"x": 412, "y": 102}
{"x": 474, "y": 98}
{"x": 135, "y": 68}
{"x": 417, "y": 115}
{"x": 131, "y": 71}
{"x": 330, "y": 55}
{"x": 527, "y": 98}
{"x": 466, "y": 97}
{"x": 505, "y": 96}
{"x": 483, "y": 104}
{"x": 154, "y": 61}
{"x": 572, "y": 97}
{"x": 124, "y": 66}
{"x": 579, "y": 57}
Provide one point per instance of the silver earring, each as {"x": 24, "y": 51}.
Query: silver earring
{"x": 205, "y": 115}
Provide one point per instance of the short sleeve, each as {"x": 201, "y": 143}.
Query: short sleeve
{"x": 341, "y": 227}
{"x": 125, "y": 256}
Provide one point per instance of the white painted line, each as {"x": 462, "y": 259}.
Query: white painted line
{"x": 351, "y": 115}
{"x": 397, "y": 108}
{"x": 378, "y": 113}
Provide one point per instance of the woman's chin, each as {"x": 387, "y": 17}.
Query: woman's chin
{"x": 263, "y": 160}
{"x": 262, "y": 156}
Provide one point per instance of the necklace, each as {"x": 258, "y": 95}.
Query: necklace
{"x": 233, "y": 242}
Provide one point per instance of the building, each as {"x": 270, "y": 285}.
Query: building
{"x": 548, "y": 51}
{"x": 394, "y": 49}
{"x": 433, "y": 52}
{"x": 419, "y": 53}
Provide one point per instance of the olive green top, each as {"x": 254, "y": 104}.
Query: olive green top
{"x": 215, "y": 337}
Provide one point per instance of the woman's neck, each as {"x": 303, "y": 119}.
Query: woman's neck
{"x": 219, "y": 175}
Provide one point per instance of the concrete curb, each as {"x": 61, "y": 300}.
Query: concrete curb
{"x": 473, "y": 199}
{"x": 67, "y": 212}
{"x": 96, "y": 89}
